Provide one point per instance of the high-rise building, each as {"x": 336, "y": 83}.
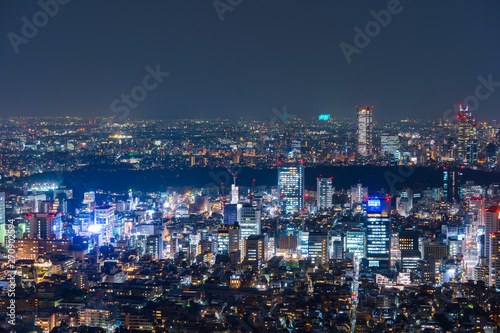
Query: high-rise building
{"x": 355, "y": 243}
{"x": 256, "y": 249}
{"x": 318, "y": 247}
{"x": 154, "y": 246}
{"x": 45, "y": 226}
{"x": 228, "y": 239}
{"x": 409, "y": 249}
{"x": 358, "y": 195}
{"x": 452, "y": 184}
{"x": 365, "y": 130}
{"x": 231, "y": 213}
{"x": 378, "y": 232}
{"x": 324, "y": 193}
{"x": 250, "y": 218}
{"x": 491, "y": 225}
{"x": 104, "y": 220}
{"x": 494, "y": 261}
{"x": 389, "y": 143}
{"x": 408, "y": 240}
{"x": 404, "y": 203}
{"x": 291, "y": 188}
{"x": 467, "y": 136}
{"x": 235, "y": 194}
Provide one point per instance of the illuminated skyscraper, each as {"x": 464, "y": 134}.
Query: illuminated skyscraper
{"x": 358, "y": 195}
{"x": 291, "y": 188}
{"x": 467, "y": 136}
{"x": 452, "y": 184}
{"x": 377, "y": 232}
{"x": 355, "y": 243}
{"x": 365, "y": 130}
{"x": 231, "y": 213}
{"x": 250, "y": 218}
{"x": 45, "y": 226}
{"x": 389, "y": 143}
{"x": 494, "y": 262}
{"x": 228, "y": 239}
{"x": 324, "y": 192}
{"x": 104, "y": 221}
{"x": 491, "y": 225}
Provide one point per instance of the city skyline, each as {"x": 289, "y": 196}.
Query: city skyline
{"x": 249, "y": 166}
{"x": 78, "y": 64}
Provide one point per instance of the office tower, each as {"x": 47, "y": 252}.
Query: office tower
{"x": 288, "y": 245}
{"x": 235, "y": 194}
{"x": 389, "y": 143}
{"x": 377, "y": 232}
{"x": 324, "y": 192}
{"x": 435, "y": 250}
{"x": 45, "y": 226}
{"x": 452, "y": 184}
{"x": 231, "y": 213}
{"x": 408, "y": 240}
{"x": 291, "y": 188}
{"x": 408, "y": 247}
{"x": 338, "y": 251}
{"x": 491, "y": 225}
{"x": 250, "y": 217}
{"x": 431, "y": 271}
{"x": 355, "y": 243}
{"x": 467, "y": 136}
{"x": 228, "y": 239}
{"x": 494, "y": 260}
{"x": 365, "y": 130}
{"x": 104, "y": 221}
{"x": 318, "y": 247}
{"x": 404, "y": 203}
{"x": 154, "y": 246}
{"x": 256, "y": 249}
{"x": 358, "y": 195}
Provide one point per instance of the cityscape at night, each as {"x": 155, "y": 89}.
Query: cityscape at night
{"x": 209, "y": 167}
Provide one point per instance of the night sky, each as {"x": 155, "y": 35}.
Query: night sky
{"x": 262, "y": 55}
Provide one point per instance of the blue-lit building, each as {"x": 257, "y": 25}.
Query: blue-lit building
{"x": 378, "y": 223}
{"x": 324, "y": 191}
{"x": 291, "y": 188}
{"x": 231, "y": 212}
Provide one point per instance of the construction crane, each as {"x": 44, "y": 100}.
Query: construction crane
{"x": 234, "y": 174}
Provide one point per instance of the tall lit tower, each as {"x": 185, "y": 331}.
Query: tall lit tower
{"x": 325, "y": 192}
{"x": 467, "y": 136}
{"x": 378, "y": 223}
{"x": 365, "y": 130}
{"x": 291, "y": 187}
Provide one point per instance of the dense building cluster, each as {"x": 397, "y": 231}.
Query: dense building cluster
{"x": 243, "y": 258}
